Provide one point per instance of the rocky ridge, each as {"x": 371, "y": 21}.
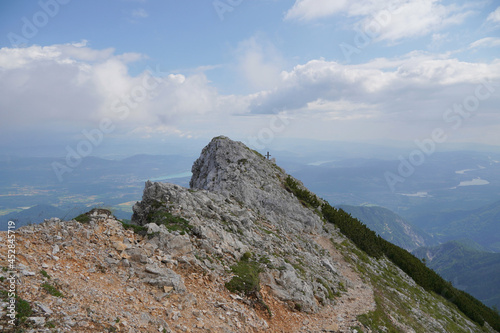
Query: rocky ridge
{"x": 170, "y": 270}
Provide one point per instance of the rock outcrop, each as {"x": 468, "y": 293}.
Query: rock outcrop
{"x": 236, "y": 252}
{"x": 238, "y": 203}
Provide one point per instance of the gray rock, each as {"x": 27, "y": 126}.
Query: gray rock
{"x": 154, "y": 269}
{"x": 27, "y": 273}
{"x": 111, "y": 261}
{"x": 165, "y": 278}
{"x": 44, "y": 308}
{"x": 328, "y": 265}
{"x": 36, "y": 321}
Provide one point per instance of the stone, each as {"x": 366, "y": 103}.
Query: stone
{"x": 45, "y": 308}
{"x": 153, "y": 269}
{"x": 111, "y": 261}
{"x": 36, "y": 321}
{"x": 119, "y": 246}
{"x": 27, "y": 273}
{"x": 328, "y": 265}
{"x": 124, "y": 262}
{"x": 333, "y": 327}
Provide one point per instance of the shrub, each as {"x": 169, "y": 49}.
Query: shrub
{"x": 45, "y": 274}
{"x": 52, "y": 290}
{"x": 171, "y": 222}
{"x": 83, "y": 218}
{"x": 23, "y": 309}
{"x": 246, "y": 280}
{"x": 305, "y": 197}
{"x": 138, "y": 229}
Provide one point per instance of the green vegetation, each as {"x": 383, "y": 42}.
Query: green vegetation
{"x": 480, "y": 225}
{"x": 377, "y": 319}
{"x": 83, "y": 218}
{"x": 376, "y": 247}
{"x": 23, "y": 309}
{"x": 246, "y": 280}
{"x": 171, "y": 222}
{"x": 256, "y": 153}
{"x": 138, "y": 229}
{"x": 463, "y": 264}
{"x": 388, "y": 225}
{"x": 161, "y": 216}
{"x": 45, "y": 274}
{"x": 355, "y": 230}
{"x": 305, "y": 197}
{"x": 331, "y": 294}
{"x": 50, "y": 324}
{"x": 52, "y": 290}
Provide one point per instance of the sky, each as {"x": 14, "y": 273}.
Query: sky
{"x": 82, "y": 75}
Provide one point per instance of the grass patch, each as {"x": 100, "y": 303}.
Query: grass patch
{"x": 137, "y": 229}
{"x": 246, "y": 280}
{"x": 331, "y": 295}
{"x": 298, "y": 306}
{"x": 377, "y": 320}
{"x": 23, "y": 309}
{"x": 45, "y": 274}
{"x": 82, "y": 218}
{"x": 171, "y": 222}
{"x": 52, "y": 290}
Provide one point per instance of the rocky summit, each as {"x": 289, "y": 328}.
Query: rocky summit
{"x": 244, "y": 249}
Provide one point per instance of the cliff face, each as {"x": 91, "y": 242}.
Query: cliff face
{"x": 237, "y": 252}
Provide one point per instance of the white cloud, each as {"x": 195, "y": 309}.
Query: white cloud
{"x": 494, "y": 16}
{"x": 56, "y": 87}
{"x": 306, "y": 10}
{"x": 385, "y": 20}
{"x": 259, "y": 63}
{"x": 485, "y": 42}
{"x": 418, "y": 84}
{"x": 402, "y": 98}
{"x": 63, "y": 85}
{"x": 140, "y": 13}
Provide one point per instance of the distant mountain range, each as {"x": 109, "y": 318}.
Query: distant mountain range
{"x": 467, "y": 267}
{"x": 390, "y": 226}
{"x": 34, "y": 214}
{"x": 38, "y": 213}
{"x": 481, "y": 225}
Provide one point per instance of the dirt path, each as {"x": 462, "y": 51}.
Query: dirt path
{"x": 359, "y": 298}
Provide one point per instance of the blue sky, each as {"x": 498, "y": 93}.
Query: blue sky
{"x": 150, "y": 70}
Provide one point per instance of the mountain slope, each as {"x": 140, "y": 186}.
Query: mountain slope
{"x": 246, "y": 249}
{"x": 35, "y": 214}
{"x": 472, "y": 270}
{"x": 480, "y": 225}
{"x": 390, "y": 226}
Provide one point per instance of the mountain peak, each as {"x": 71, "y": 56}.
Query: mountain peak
{"x": 224, "y": 160}
{"x": 235, "y": 171}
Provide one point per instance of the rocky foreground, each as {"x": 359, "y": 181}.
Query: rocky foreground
{"x": 237, "y": 252}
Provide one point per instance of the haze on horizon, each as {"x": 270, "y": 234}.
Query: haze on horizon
{"x": 147, "y": 72}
